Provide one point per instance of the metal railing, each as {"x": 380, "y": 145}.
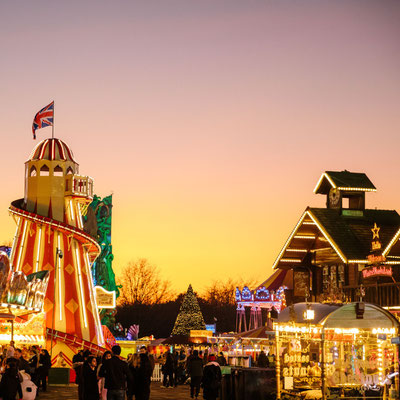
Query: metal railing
{"x": 77, "y": 185}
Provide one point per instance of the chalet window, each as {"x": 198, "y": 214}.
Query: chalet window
{"x": 69, "y": 171}
{"x": 33, "y": 171}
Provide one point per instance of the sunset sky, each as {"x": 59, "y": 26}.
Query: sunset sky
{"x": 210, "y": 121}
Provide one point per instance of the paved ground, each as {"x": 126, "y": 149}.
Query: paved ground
{"x": 157, "y": 393}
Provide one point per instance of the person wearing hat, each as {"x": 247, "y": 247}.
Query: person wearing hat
{"x": 211, "y": 378}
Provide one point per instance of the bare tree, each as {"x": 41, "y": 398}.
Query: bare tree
{"x": 142, "y": 284}
{"x": 223, "y": 293}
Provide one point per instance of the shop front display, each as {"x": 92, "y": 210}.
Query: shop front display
{"x": 328, "y": 352}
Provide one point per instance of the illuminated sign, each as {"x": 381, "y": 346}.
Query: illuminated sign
{"x": 211, "y": 328}
{"x": 376, "y": 245}
{"x": 104, "y": 298}
{"x": 201, "y": 333}
{"x": 372, "y": 258}
{"x": 379, "y": 270}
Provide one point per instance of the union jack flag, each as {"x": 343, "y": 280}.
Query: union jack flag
{"x": 43, "y": 118}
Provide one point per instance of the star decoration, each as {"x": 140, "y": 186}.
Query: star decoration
{"x": 375, "y": 232}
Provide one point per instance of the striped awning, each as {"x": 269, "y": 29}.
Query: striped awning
{"x": 281, "y": 277}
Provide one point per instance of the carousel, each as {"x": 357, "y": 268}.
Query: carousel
{"x": 21, "y": 304}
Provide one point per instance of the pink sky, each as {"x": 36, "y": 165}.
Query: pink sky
{"x": 210, "y": 121}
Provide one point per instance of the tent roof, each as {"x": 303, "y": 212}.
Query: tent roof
{"x": 262, "y": 332}
{"x": 280, "y": 277}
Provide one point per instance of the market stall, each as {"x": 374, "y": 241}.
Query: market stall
{"x": 331, "y": 351}
{"x": 251, "y": 343}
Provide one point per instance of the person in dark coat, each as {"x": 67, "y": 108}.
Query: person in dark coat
{"x": 143, "y": 373}
{"x": 34, "y": 365}
{"x": 10, "y": 384}
{"x": 77, "y": 364}
{"x": 168, "y": 371}
{"x": 195, "y": 370}
{"x": 263, "y": 361}
{"x": 89, "y": 379}
{"x": 211, "y": 379}
{"x": 221, "y": 360}
{"x": 117, "y": 375}
{"x": 43, "y": 370}
{"x": 22, "y": 364}
{"x": 101, "y": 380}
{"x": 175, "y": 358}
{"x": 133, "y": 364}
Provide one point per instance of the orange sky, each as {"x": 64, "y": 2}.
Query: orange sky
{"x": 210, "y": 121}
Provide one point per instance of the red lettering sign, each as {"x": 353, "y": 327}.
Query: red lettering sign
{"x": 377, "y": 271}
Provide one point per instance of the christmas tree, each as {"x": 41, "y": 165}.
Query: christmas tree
{"x": 190, "y": 316}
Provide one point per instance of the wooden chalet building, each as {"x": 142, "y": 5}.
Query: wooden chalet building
{"x": 345, "y": 251}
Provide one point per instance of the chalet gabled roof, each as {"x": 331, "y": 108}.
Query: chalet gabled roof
{"x": 344, "y": 180}
{"x": 349, "y": 237}
{"x": 353, "y": 234}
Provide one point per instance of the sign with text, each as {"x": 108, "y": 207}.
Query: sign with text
{"x": 378, "y": 270}
{"x": 104, "y": 298}
{"x": 201, "y": 333}
{"x": 373, "y": 259}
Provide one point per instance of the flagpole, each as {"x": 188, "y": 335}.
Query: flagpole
{"x": 52, "y": 127}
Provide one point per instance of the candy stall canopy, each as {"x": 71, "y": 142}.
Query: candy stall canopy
{"x": 330, "y": 351}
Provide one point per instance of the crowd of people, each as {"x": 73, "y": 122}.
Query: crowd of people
{"x": 109, "y": 377}
{"x": 196, "y": 369}
{"x": 23, "y": 368}
{"x": 112, "y": 378}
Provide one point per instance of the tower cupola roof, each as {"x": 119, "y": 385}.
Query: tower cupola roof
{"x": 345, "y": 181}
{"x": 52, "y": 150}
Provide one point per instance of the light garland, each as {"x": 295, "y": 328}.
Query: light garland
{"x": 324, "y": 175}
{"x": 39, "y": 228}
{"x": 22, "y": 244}
{"x": 353, "y": 189}
{"x": 288, "y": 240}
{"x": 58, "y": 225}
{"x": 338, "y": 252}
{"x": 83, "y": 307}
{"x": 387, "y": 331}
{"x": 71, "y": 211}
{"x": 15, "y": 238}
{"x": 297, "y": 250}
{"x": 294, "y": 236}
{"x": 380, "y": 362}
{"x": 99, "y": 330}
{"x": 59, "y": 277}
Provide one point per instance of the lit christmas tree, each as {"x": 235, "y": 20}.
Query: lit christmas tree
{"x": 190, "y": 316}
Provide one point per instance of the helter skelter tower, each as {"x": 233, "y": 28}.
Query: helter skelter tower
{"x": 49, "y": 223}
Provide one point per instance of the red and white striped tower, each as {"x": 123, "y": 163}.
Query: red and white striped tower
{"x": 49, "y": 220}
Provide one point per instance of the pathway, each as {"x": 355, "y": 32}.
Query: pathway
{"x": 157, "y": 393}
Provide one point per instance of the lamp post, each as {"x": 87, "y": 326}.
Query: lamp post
{"x": 59, "y": 254}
